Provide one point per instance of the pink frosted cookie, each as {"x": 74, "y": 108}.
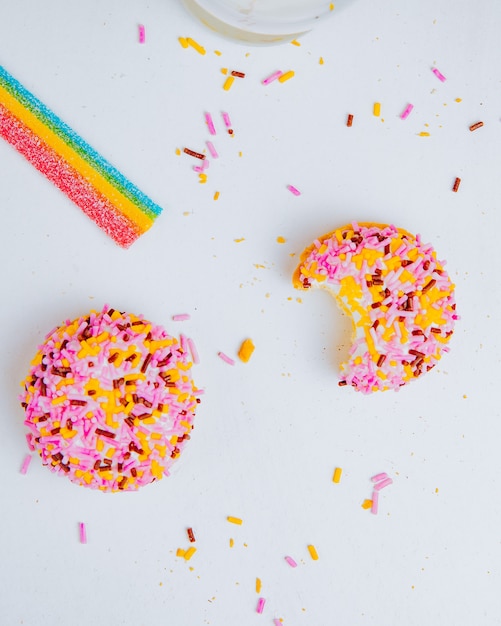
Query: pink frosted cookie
{"x": 109, "y": 401}
{"x": 397, "y": 294}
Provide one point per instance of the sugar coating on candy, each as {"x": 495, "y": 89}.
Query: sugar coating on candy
{"x": 59, "y": 153}
{"x": 400, "y": 299}
{"x": 109, "y": 401}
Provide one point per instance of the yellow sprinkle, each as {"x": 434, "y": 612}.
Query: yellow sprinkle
{"x": 216, "y": 195}
{"x": 202, "y": 178}
{"x": 189, "y": 553}
{"x": 180, "y": 552}
{"x": 367, "y": 504}
{"x": 281, "y": 240}
{"x": 58, "y": 399}
{"x": 458, "y": 100}
{"x": 331, "y": 6}
{"x": 228, "y": 83}
{"x": 321, "y": 60}
{"x": 239, "y": 240}
{"x": 258, "y": 585}
{"x": 178, "y": 151}
{"x": 337, "y": 475}
{"x": 313, "y": 552}
{"x": 195, "y": 45}
{"x": 234, "y": 520}
{"x": 218, "y": 52}
{"x": 183, "y": 41}
{"x": 376, "y": 110}
{"x": 246, "y": 350}
{"x": 232, "y": 542}
{"x": 424, "y": 134}
{"x": 283, "y": 77}
{"x": 295, "y": 42}
{"x": 224, "y": 70}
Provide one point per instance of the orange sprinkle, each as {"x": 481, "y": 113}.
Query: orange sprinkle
{"x": 216, "y": 195}
{"x": 476, "y": 125}
{"x": 258, "y": 585}
{"x": 285, "y": 76}
{"x": 367, "y": 504}
{"x": 313, "y": 552}
{"x": 457, "y": 182}
{"x": 246, "y": 350}
{"x": 295, "y": 42}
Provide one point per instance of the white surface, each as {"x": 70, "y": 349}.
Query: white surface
{"x": 269, "y": 433}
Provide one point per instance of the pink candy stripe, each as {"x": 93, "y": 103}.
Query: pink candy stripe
{"x": 272, "y": 77}
{"x": 26, "y": 464}
{"x": 438, "y": 74}
{"x": 181, "y": 317}
{"x": 260, "y": 605}
{"x": 226, "y": 119}
{"x": 142, "y": 34}
{"x": 384, "y": 483}
{"x": 193, "y": 351}
{"x": 83, "y": 532}
{"x": 210, "y": 123}
{"x": 212, "y": 150}
{"x": 293, "y": 190}
{"x": 377, "y": 477}
{"x": 375, "y": 499}
{"x": 291, "y": 561}
{"x": 226, "y": 358}
{"x": 406, "y": 111}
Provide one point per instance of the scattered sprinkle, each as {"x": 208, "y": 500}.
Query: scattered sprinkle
{"x": 232, "y": 542}
{"x": 82, "y": 532}
{"x": 217, "y": 52}
{"x": 295, "y": 42}
{"x": 189, "y": 553}
{"x": 246, "y": 350}
{"x": 293, "y": 190}
{"x": 226, "y": 359}
{"x": 349, "y": 121}
{"x": 260, "y": 605}
{"x": 210, "y": 123}
{"x": 191, "y": 535}
{"x": 238, "y": 74}
{"x": 234, "y": 520}
{"x": 376, "y": 109}
{"x": 291, "y": 561}
{"x": 142, "y": 33}
{"x": 178, "y": 151}
{"x": 26, "y": 464}
{"x": 337, "y": 475}
{"x": 228, "y": 83}
{"x": 458, "y": 100}
{"x": 286, "y": 76}
{"x": 277, "y": 622}
{"x": 457, "y": 182}
{"x": 193, "y": 351}
{"x": 321, "y": 61}
{"x": 272, "y": 77}
{"x": 227, "y": 122}
{"x": 476, "y": 125}
{"x": 331, "y": 6}
{"x": 438, "y": 74}
{"x": 212, "y": 150}
{"x": 216, "y": 195}
{"x": 377, "y": 477}
{"x": 382, "y": 484}
{"x": 374, "y": 504}
{"x": 258, "y": 585}
{"x": 195, "y": 45}
{"x": 406, "y": 112}
{"x": 224, "y": 70}
{"x": 183, "y": 41}
{"x": 366, "y": 504}
{"x": 197, "y": 155}
{"x": 181, "y": 317}
{"x": 313, "y": 552}
{"x": 424, "y": 133}
{"x": 202, "y": 178}
{"x": 281, "y": 239}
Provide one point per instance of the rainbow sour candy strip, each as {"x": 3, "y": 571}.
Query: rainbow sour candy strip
{"x": 101, "y": 191}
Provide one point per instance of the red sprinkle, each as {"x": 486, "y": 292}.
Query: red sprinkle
{"x": 192, "y": 153}
{"x": 476, "y": 125}
{"x": 457, "y": 182}
{"x": 349, "y": 121}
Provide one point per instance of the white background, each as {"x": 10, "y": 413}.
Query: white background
{"x": 268, "y": 433}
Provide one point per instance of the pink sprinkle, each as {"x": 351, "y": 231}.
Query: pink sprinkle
{"x": 291, "y": 561}
{"x": 293, "y": 190}
{"x": 29, "y": 441}
{"x": 212, "y": 150}
{"x": 181, "y": 317}
{"x": 272, "y": 77}
{"x": 438, "y": 74}
{"x": 378, "y": 477}
{"x": 277, "y": 622}
{"x": 26, "y": 464}
{"x": 226, "y": 358}
{"x": 210, "y": 123}
{"x": 83, "y": 532}
{"x": 384, "y": 483}
{"x": 142, "y": 34}
{"x": 193, "y": 351}
{"x": 406, "y": 111}
{"x": 226, "y": 119}
{"x": 374, "y": 505}
{"x": 260, "y": 605}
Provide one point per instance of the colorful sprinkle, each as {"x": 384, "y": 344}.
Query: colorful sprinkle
{"x": 382, "y": 484}
{"x": 82, "y": 530}
{"x": 237, "y": 74}
{"x": 406, "y": 112}
{"x": 210, "y": 123}
{"x": 197, "y": 155}
{"x": 26, "y": 464}
{"x": 285, "y": 76}
{"x": 272, "y": 77}
{"x": 438, "y": 74}
{"x": 212, "y": 150}
{"x": 226, "y": 358}
{"x": 337, "y": 475}
{"x": 142, "y": 33}
{"x": 476, "y": 125}
{"x": 376, "y": 109}
{"x": 183, "y": 41}
{"x": 377, "y": 477}
{"x": 293, "y": 190}
{"x": 181, "y": 317}
{"x": 191, "y": 535}
{"x": 193, "y": 351}
{"x": 367, "y": 504}
{"x": 195, "y": 45}
{"x": 258, "y": 585}
{"x": 234, "y": 520}
{"x": 260, "y": 605}
{"x": 189, "y": 553}
{"x": 53, "y": 148}
{"x": 457, "y": 182}
{"x": 228, "y": 83}
{"x": 246, "y": 350}
{"x": 375, "y": 502}
{"x": 290, "y": 561}
{"x": 349, "y": 121}
{"x": 313, "y": 552}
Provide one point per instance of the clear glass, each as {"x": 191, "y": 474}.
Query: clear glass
{"x": 262, "y": 21}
